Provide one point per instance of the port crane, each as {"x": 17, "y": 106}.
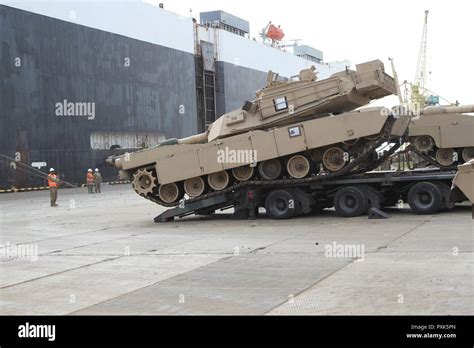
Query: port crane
{"x": 420, "y": 95}
{"x": 418, "y": 92}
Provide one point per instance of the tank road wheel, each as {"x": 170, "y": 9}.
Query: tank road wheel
{"x": 298, "y": 166}
{"x": 270, "y": 169}
{"x": 243, "y": 173}
{"x": 333, "y": 159}
{"x": 194, "y": 187}
{"x": 423, "y": 143}
{"x": 468, "y": 154}
{"x": 445, "y": 157}
{"x": 218, "y": 181}
{"x": 143, "y": 182}
{"x": 170, "y": 193}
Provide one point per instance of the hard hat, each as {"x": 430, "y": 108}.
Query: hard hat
{"x": 89, "y": 170}
{"x": 97, "y": 169}
{"x": 51, "y": 169}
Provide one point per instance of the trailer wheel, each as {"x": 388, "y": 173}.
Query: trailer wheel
{"x": 424, "y": 198}
{"x": 350, "y": 201}
{"x": 280, "y": 204}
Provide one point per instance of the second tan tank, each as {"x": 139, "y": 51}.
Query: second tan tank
{"x": 444, "y": 135}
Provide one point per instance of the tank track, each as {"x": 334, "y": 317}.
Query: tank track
{"x": 356, "y": 166}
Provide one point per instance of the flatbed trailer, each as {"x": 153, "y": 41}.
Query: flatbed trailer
{"x": 425, "y": 190}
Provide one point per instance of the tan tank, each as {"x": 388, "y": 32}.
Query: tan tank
{"x": 463, "y": 183}
{"x": 444, "y": 135}
{"x": 292, "y": 130}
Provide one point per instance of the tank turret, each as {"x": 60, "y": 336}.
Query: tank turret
{"x": 281, "y": 103}
{"x": 284, "y": 102}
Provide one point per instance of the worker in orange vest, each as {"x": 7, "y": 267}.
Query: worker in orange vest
{"x": 53, "y": 183}
{"x": 90, "y": 181}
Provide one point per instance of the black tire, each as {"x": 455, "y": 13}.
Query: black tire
{"x": 350, "y": 201}
{"x": 280, "y": 204}
{"x": 424, "y": 198}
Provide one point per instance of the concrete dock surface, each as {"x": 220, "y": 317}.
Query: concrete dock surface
{"x": 103, "y": 254}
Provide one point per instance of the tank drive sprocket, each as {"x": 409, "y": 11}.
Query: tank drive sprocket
{"x": 144, "y": 182}
{"x": 423, "y": 143}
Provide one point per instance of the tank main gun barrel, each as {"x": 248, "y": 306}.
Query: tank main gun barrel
{"x": 432, "y": 110}
{"x": 194, "y": 139}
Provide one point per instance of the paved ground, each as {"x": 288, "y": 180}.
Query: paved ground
{"x": 103, "y": 254}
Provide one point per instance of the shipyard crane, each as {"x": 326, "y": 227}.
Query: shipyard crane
{"x": 418, "y": 87}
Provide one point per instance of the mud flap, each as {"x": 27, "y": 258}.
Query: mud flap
{"x": 456, "y": 195}
{"x": 445, "y": 193}
{"x": 305, "y": 200}
{"x": 372, "y": 195}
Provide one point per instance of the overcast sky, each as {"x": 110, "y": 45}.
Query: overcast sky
{"x": 368, "y": 29}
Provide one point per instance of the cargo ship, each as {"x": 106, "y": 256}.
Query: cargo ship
{"x": 81, "y": 81}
